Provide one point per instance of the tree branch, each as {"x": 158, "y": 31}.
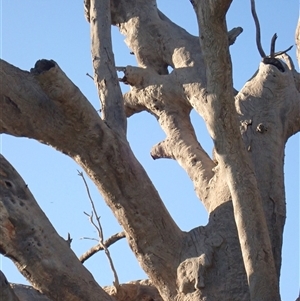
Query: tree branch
{"x": 257, "y": 27}
{"x": 185, "y": 85}
{"x": 164, "y": 98}
{"x": 98, "y": 247}
{"x": 100, "y": 232}
{"x": 41, "y": 255}
{"x": 50, "y": 116}
{"x": 105, "y": 75}
{"x": 224, "y": 129}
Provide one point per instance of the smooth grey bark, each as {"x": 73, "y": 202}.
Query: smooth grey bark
{"x": 205, "y": 263}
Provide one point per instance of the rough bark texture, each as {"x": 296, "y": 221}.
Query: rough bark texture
{"x": 134, "y": 291}
{"x": 222, "y": 123}
{"x": 237, "y": 255}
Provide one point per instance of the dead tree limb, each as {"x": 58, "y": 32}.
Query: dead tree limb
{"x": 105, "y": 75}
{"x": 31, "y": 242}
{"x": 100, "y": 232}
{"x": 98, "y": 247}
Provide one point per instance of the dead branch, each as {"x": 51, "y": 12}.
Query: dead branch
{"x": 60, "y": 116}
{"x": 69, "y": 240}
{"x": 100, "y": 232}
{"x": 45, "y": 260}
{"x": 233, "y": 34}
{"x": 267, "y": 59}
{"x": 105, "y": 75}
{"x": 257, "y": 26}
{"x": 273, "y": 41}
{"x": 98, "y": 247}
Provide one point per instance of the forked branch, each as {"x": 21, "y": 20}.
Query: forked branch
{"x": 267, "y": 59}
{"x": 99, "y": 229}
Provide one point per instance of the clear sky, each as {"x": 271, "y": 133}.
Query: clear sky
{"x": 32, "y": 30}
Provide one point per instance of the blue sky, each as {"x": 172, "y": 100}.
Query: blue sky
{"x": 32, "y": 30}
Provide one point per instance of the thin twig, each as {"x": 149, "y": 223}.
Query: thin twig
{"x": 93, "y": 250}
{"x": 90, "y": 238}
{"x": 89, "y": 76}
{"x": 69, "y": 240}
{"x": 282, "y": 52}
{"x": 258, "y": 41}
{"x": 100, "y": 232}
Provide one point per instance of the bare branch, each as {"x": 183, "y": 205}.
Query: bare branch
{"x": 45, "y": 260}
{"x": 87, "y": 74}
{"x": 233, "y": 34}
{"x": 69, "y": 240}
{"x": 100, "y": 232}
{"x": 273, "y": 41}
{"x": 60, "y": 116}
{"x": 257, "y": 26}
{"x": 181, "y": 142}
{"x": 267, "y": 59}
{"x": 283, "y": 52}
{"x": 98, "y": 247}
{"x": 105, "y": 75}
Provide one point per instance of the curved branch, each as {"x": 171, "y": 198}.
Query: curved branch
{"x": 41, "y": 255}
{"x": 257, "y": 26}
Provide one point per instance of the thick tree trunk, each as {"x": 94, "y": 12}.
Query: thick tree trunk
{"x": 237, "y": 255}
